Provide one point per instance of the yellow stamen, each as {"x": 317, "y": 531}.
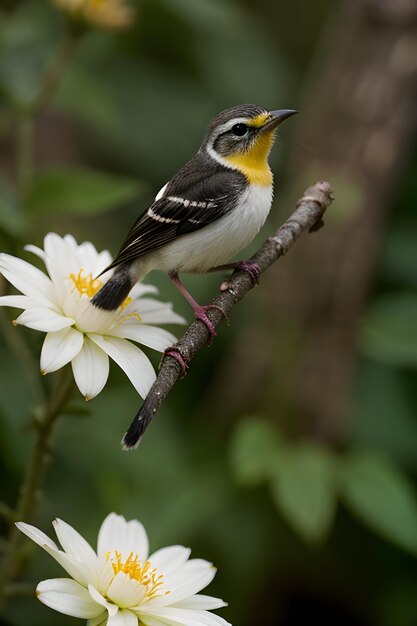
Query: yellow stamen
{"x": 136, "y": 570}
{"x": 126, "y": 302}
{"x": 88, "y": 285}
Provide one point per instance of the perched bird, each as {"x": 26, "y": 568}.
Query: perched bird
{"x": 207, "y": 213}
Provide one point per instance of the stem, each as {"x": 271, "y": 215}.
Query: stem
{"x": 34, "y": 475}
{"x": 61, "y": 393}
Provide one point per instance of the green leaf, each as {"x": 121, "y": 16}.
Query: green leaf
{"x": 73, "y": 191}
{"x": 385, "y": 421}
{"x": 304, "y": 490}
{"x": 382, "y": 496}
{"x": 389, "y": 333}
{"x": 254, "y": 449}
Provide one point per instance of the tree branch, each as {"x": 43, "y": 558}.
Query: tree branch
{"x": 307, "y": 215}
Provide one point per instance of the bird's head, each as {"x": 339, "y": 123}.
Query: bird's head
{"x": 242, "y": 136}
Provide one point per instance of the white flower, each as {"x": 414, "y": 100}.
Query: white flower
{"x": 121, "y": 585}
{"x": 77, "y": 331}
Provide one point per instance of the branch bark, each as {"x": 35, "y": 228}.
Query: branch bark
{"x": 307, "y": 215}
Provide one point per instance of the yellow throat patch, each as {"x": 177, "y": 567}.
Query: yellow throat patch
{"x": 254, "y": 163}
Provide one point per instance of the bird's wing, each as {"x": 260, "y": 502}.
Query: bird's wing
{"x": 184, "y": 208}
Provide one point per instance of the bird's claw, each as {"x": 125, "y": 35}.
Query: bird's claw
{"x": 201, "y": 314}
{"x": 250, "y": 268}
{"x": 176, "y": 354}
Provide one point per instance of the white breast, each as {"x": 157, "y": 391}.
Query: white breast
{"x": 219, "y": 243}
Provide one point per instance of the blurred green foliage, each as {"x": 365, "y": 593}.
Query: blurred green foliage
{"x": 72, "y": 191}
{"x": 297, "y": 528}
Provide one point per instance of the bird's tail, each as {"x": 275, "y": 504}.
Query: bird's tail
{"x": 114, "y": 291}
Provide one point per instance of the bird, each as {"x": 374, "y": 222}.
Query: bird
{"x": 207, "y": 213}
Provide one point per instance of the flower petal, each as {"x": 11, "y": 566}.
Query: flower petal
{"x": 75, "y": 568}
{"x": 100, "y": 620}
{"x": 154, "y": 312}
{"x": 60, "y": 258}
{"x": 125, "y": 537}
{"x": 35, "y": 250}
{"x": 36, "y": 535}
{"x": 74, "y": 544}
{"x": 91, "y": 369}
{"x": 150, "y": 336}
{"x": 17, "y": 302}
{"x": 59, "y": 348}
{"x": 140, "y": 289}
{"x": 172, "y": 616}
{"x": 88, "y": 257}
{"x": 201, "y": 602}
{"x": 123, "y": 618}
{"x": 125, "y": 591}
{"x": 27, "y": 279}
{"x": 106, "y": 574}
{"x": 148, "y": 620}
{"x": 170, "y": 558}
{"x": 131, "y": 359}
{"x": 97, "y": 597}
{"x": 68, "y": 597}
{"x": 184, "y": 582}
{"x": 43, "y": 319}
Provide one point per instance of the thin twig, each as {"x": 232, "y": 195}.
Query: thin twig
{"x": 308, "y": 215}
{"x": 29, "y": 491}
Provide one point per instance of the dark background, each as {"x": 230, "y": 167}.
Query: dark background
{"x": 288, "y": 456}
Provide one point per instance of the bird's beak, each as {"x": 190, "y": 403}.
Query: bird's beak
{"x": 276, "y": 117}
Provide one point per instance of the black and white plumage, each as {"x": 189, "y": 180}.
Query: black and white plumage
{"x": 200, "y": 194}
{"x": 209, "y": 211}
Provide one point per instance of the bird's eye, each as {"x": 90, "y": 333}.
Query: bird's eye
{"x": 239, "y": 129}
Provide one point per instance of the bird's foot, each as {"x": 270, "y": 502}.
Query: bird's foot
{"x": 250, "y": 268}
{"x": 200, "y": 313}
{"x": 175, "y": 353}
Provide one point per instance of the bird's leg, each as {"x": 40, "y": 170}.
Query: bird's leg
{"x": 250, "y": 268}
{"x": 200, "y": 312}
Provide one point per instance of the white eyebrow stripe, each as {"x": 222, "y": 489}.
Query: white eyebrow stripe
{"x": 229, "y": 125}
{"x": 164, "y": 220}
